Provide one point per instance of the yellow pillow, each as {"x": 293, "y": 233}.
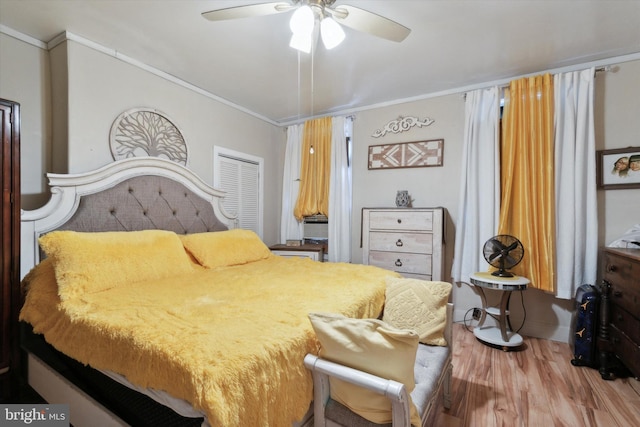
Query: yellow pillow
{"x": 224, "y": 248}
{"x": 372, "y": 346}
{"x": 94, "y": 262}
{"x": 418, "y": 305}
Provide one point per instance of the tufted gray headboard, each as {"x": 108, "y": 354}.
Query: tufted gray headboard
{"x": 127, "y": 195}
{"x": 143, "y": 203}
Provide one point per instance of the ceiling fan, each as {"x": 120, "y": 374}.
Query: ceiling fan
{"x": 308, "y": 12}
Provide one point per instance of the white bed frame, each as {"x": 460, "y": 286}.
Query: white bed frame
{"x": 66, "y": 192}
{"x": 67, "y": 189}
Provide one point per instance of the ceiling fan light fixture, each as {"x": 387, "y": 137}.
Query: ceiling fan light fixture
{"x": 331, "y": 32}
{"x": 301, "y": 42}
{"x": 302, "y": 21}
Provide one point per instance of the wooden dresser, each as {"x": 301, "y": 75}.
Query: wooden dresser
{"x": 619, "y": 330}
{"x": 9, "y": 248}
{"x": 407, "y": 240}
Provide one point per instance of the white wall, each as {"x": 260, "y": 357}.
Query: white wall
{"x": 92, "y": 88}
{"x": 618, "y": 126}
{"x": 101, "y": 87}
{"x": 25, "y": 78}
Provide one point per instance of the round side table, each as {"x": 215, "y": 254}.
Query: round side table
{"x": 501, "y": 335}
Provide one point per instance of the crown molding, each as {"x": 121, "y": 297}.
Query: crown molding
{"x": 22, "y": 37}
{"x": 69, "y": 36}
{"x": 65, "y": 36}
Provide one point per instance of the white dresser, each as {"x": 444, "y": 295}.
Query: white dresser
{"x": 407, "y": 240}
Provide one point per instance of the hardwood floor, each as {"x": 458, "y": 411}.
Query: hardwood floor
{"x": 533, "y": 386}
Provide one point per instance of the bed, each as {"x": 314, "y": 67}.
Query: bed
{"x": 198, "y": 315}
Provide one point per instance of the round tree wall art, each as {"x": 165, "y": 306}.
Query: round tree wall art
{"x": 142, "y": 132}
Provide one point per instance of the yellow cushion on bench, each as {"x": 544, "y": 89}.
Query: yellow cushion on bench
{"x": 418, "y": 305}
{"x": 372, "y": 346}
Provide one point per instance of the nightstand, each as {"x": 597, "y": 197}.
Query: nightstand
{"x": 502, "y": 335}
{"x": 308, "y": 250}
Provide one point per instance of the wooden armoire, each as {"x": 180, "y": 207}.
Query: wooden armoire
{"x": 10, "y": 238}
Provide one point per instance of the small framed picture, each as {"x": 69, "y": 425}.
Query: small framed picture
{"x": 618, "y": 168}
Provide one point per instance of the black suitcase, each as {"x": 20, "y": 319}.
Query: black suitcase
{"x": 585, "y": 326}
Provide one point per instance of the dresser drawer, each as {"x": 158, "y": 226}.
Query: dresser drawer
{"x": 401, "y": 262}
{"x": 624, "y": 277}
{"x": 626, "y": 350}
{"x": 417, "y": 276}
{"x": 401, "y": 242}
{"x": 625, "y": 322}
{"x": 315, "y": 256}
{"x": 401, "y": 220}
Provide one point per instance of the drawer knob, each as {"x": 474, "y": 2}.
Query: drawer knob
{"x": 399, "y": 243}
{"x": 617, "y": 293}
{"x": 399, "y": 221}
{"x": 611, "y": 268}
{"x": 398, "y": 263}
{"x": 619, "y": 317}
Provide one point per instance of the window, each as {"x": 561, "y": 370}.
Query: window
{"x": 240, "y": 175}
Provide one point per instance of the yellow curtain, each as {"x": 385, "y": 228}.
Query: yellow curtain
{"x": 527, "y": 177}
{"x": 315, "y": 168}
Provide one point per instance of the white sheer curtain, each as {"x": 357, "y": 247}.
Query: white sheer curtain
{"x": 479, "y": 205}
{"x": 340, "y": 192}
{"x": 290, "y": 228}
{"x": 575, "y": 181}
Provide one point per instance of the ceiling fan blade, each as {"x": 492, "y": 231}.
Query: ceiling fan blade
{"x": 369, "y": 22}
{"x": 247, "y": 11}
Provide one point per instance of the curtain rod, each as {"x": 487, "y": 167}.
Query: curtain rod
{"x": 350, "y": 116}
{"x": 604, "y": 69}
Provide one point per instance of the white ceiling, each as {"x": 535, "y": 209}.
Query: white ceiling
{"x": 453, "y": 46}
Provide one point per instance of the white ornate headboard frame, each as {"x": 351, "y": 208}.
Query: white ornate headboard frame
{"x": 139, "y": 193}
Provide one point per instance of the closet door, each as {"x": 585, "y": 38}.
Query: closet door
{"x": 10, "y": 252}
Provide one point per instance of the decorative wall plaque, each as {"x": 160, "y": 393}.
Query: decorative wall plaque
{"x": 406, "y": 154}
{"x": 146, "y": 133}
{"x": 402, "y": 124}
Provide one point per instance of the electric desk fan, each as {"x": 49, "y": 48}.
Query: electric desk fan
{"x": 503, "y": 252}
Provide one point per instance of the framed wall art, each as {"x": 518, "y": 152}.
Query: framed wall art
{"x": 417, "y": 154}
{"x": 143, "y": 132}
{"x": 618, "y": 168}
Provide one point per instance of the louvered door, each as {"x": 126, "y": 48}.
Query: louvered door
{"x": 240, "y": 176}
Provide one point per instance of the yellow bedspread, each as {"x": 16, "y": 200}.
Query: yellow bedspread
{"x": 231, "y": 340}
